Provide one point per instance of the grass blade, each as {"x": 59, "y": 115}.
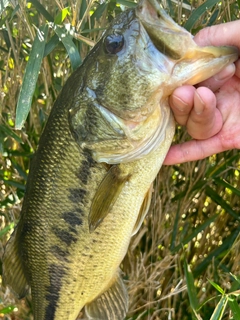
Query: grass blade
{"x": 192, "y": 292}
{"x": 195, "y": 16}
{"x": 217, "y": 287}
{"x": 234, "y": 307}
{"x": 219, "y": 200}
{"x": 7, "y": 131}
{"x": 72, "y": 50}
{"x": 30, "y": 77}
{"x": 227, "y": 185}
{"x": 219, "y": 310}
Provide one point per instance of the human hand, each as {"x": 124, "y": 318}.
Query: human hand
{"x": 210, "y": 111}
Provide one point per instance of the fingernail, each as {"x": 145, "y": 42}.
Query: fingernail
{"x": 227, "y": 72}
{"x": 198, "y": 105}
{"x": 179, "y": 103}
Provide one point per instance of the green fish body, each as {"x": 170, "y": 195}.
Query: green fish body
{"x": 90, "y": 182}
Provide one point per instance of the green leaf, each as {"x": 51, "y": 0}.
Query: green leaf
{"x": 5, "y": 231}
{"x": 219, "y": 169}
{"x": 41, "y": 10}
{"x": 15, "y": 184}
{"x": 227, "y": 185}
{"x": 30, "y": 77}
{"x": 217, "y": 287}
{"x": 234, "y": 307}
{"x": 51, "y": 45}
{"x": 219, "y": 310}
{"x": 98, "y": 12}
{"x": 9, "y": 132}
{"x": 61, "y": 16}
{"x": 192, "y": 292}
{"x": 72, "y": 50}
{"x": 195, "y": 16}
{"x": 7, "y": 310}
{"x": 219, "y": 200}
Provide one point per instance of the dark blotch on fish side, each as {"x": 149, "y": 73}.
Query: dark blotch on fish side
{"x": 59, "y": 253}
{"x": 76, "y": 195}
{"x": 26, "y": 229}
{"x": 56, "y": 273}
{"x": 64, "y": 236}
{"x": 73, "y": 218}
{"x": 84, "y": 172}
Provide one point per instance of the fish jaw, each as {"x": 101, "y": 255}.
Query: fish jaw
{"x": 191, "y": 63}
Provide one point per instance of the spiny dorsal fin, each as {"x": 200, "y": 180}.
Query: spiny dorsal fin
{"x": 106, "y": 195}
{"x": 111, "y": 304}
{"x": 13, "y": 275}
{"x": 144, "y": 210}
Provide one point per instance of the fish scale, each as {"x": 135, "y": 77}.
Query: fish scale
{"x": 90, "y": 181}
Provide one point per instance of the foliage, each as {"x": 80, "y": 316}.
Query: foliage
{"x": 189, "y": 244}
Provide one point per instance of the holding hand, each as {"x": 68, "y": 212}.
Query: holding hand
{"x": 210, "y": 112}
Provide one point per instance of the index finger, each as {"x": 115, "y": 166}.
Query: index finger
{"x": 226, "y": 34}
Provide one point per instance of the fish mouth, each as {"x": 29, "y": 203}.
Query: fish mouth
{"x": 186, "y": 62}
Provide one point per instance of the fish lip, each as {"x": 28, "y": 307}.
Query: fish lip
{"x": 184, "y": 60}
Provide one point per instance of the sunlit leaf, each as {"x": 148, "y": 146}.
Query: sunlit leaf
{"x": 30, "y": 77}
{"x": 72, "y": 50}
{"x": 220, "y": 308}
{"x": 192, "y": 292}
{"x": 219, "y": 200}
{"x": 7, "y": 310}
{"x": 61, "y": 16}
{"x": 5, "y": 230}
{"x": 217, "y": 287}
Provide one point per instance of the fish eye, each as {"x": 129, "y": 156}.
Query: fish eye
{"x": 114, "y": 43}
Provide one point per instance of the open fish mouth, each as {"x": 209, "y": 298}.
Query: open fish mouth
{"x": 186, "y": 62}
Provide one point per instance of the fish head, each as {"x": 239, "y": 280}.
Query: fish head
{"x": 141, "y": 58}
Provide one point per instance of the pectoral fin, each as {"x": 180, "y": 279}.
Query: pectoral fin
{"x": 144, "y": 210}
{"x": 111, "y": 304}
{"x": 106, "y": 196}
{"x": 13, "y": 275}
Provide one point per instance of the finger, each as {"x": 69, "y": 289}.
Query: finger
{"x": 181, "y": 103}
{"x": 193, "y": 150}
{"x": 205, "y": 119}
{"x": 219, "y": 35}
{"x": 215, "y": 82}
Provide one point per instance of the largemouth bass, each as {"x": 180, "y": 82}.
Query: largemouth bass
{"x": 90, "y": 182}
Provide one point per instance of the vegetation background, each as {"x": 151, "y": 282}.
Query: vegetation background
{"x": 184, "y": 262}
